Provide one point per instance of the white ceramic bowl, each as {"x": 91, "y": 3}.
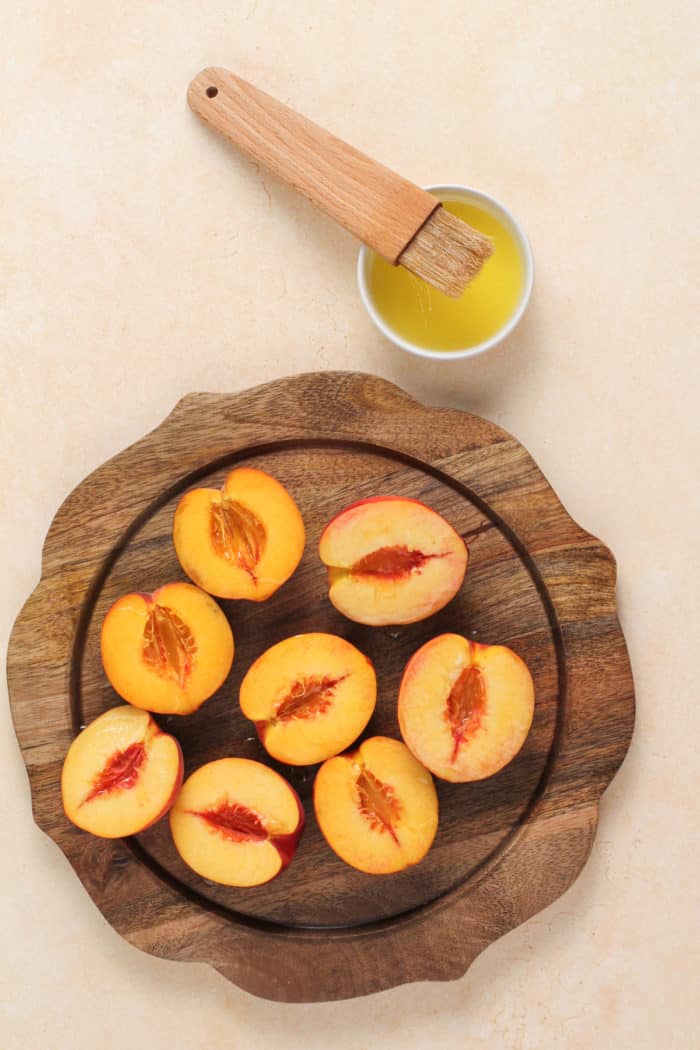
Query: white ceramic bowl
{"x": 454, "y": 192}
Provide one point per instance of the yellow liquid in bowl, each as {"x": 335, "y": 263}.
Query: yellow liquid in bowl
{"x": 420, "y": 314}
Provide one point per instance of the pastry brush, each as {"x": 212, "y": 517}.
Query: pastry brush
{"x": 397, "y": 219}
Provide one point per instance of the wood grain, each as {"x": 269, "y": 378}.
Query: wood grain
{"x": 376, "y": 205}
{"x": 537, "y": 582}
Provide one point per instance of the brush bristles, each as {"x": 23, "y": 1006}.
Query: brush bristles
{"x": 446, "y": 253}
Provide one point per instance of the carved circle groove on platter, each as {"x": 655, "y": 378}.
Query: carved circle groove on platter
{"x": 503, "y": 601}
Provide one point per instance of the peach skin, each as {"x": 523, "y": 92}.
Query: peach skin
{"x": 465, "y": 709}
{"x": 236, "y": 822}
{"x": 121, "y": 774}
{"x": 391, "y": 560}
{"x": 168, "y": 651}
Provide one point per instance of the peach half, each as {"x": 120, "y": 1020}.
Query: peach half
{"x": 377, "y": 807}
{"x": 242, "y": 541}
{"x": 236, "y": 822}
{"x": 391, "y": 561}
{"x": 121, "y": 774}
{"x": 465, "y": 709}
{"x": 310, "y": 696}
{"x": 167, "y": 651}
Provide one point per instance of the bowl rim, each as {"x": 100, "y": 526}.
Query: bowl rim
{"x": 459, "y": 191}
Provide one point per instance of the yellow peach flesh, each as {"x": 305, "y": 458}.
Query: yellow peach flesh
{"x": 167, "y": 652}
{"x": 310, "y": 697}
{"x": 377, "y": 807}
{"x": 242, "y": 541}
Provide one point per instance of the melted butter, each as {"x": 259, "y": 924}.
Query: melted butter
{"x": 422, "y": 315}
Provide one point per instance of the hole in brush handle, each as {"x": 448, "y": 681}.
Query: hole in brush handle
{"x": 212, "y": 92}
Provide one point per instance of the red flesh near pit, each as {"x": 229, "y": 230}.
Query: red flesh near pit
{"x": 307, "y": 697}
{"x": 234, "y": 821}
{"x": 466, "y": 706}
{"x": 120, "y": 773}
{"x": 391, "y": 562}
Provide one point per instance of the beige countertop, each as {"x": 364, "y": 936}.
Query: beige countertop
{"x": 142, "y": 259}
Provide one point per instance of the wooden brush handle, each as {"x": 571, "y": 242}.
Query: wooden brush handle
{"x": 375, "y": 204}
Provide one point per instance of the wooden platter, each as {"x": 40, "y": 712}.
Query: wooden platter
{"x": 506, "y": 847}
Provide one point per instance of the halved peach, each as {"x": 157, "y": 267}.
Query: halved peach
{"x": 167, "y": 651}
{"x": 236, "y": 822}
{"x": 121, "y": 774}
{"x": 310, "y": 696}
{"x": 391, "y": 561}
{"x": 242, "y": 541}
{"x": 376, "y": 806}
{"x": 465, "y": 709}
